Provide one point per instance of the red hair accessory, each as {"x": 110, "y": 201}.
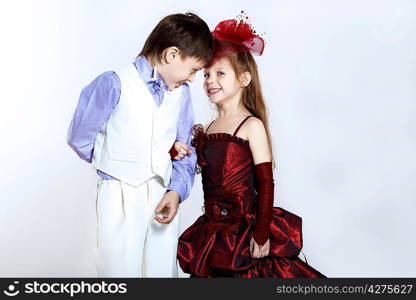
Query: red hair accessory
{"x": 240, "y": 35}
{"x": 236, "y": 35}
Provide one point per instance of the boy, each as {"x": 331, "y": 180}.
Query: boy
{"x": 125, "y": 124}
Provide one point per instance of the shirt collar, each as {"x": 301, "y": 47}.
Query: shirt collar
{"x": 149, "y": 74}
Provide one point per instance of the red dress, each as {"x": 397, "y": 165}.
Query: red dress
{"x": 218, "y": 243}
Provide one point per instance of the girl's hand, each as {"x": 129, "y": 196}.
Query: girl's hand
{"x": 259, "y": 251}
{"x": 182, "y": 149}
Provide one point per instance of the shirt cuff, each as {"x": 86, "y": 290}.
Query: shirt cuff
{"x": 180, "y": 188}
{"x": 85, "y": 153}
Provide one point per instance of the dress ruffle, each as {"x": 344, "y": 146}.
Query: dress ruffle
{"x": 221, "y": 243}
{"x": 272, "y": 267}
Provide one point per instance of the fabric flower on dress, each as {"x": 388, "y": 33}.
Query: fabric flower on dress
{"x": 198, "y": 142}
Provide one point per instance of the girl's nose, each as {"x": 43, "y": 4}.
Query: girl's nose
{"x": 209, "y": 80}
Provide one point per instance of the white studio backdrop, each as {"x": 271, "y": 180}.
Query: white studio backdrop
{"x": 339, "y": 80}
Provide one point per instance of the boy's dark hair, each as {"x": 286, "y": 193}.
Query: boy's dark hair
{"x": 186, "y": 31}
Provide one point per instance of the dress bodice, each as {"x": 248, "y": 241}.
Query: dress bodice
{"x": 227, "y": 173}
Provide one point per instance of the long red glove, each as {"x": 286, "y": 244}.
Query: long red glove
{"x": 264, "y": 185}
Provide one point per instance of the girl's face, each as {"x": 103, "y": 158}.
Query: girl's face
{"x": 221, "y": 82}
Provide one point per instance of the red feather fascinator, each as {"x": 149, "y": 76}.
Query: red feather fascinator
{"x": 240, "y": 34}
{"x": 234, "y": 35}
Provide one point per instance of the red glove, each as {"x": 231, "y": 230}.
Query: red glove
{"x": 173, "y": 151}
{"x": 264, "y": 185}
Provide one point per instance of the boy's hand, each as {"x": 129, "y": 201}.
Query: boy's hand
{"x": 259, "y": 251}
{"x": 182, "y": 149}
{"x": 168, "y": 206}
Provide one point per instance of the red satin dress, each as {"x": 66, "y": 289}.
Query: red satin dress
{"x": 218, "y": 243}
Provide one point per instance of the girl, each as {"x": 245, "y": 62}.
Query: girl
{"x": 240, "y": 233}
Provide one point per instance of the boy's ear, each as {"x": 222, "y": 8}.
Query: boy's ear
{"x": 245, "y": 79}
{"x": 170, "y": 54}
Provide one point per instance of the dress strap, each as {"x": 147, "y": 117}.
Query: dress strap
{"x": 206, "y": 131}
{"x": 241, "y": 124}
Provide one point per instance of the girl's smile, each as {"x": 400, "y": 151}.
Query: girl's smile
{"x": 213, "y": 91}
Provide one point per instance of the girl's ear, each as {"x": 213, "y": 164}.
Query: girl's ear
{"x": 170, "y": 54}
{"x": 245, "y": 79}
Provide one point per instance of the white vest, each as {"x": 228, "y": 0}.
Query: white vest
{"x": 134, "y": 144}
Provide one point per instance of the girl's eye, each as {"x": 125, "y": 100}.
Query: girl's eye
{"x": 220, "y": 73}
{"x": 206, "y": 75}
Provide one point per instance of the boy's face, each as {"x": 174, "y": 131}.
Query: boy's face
{"x": 178, "y": 70}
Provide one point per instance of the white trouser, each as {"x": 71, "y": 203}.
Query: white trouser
{"x": 130, "y": 243}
